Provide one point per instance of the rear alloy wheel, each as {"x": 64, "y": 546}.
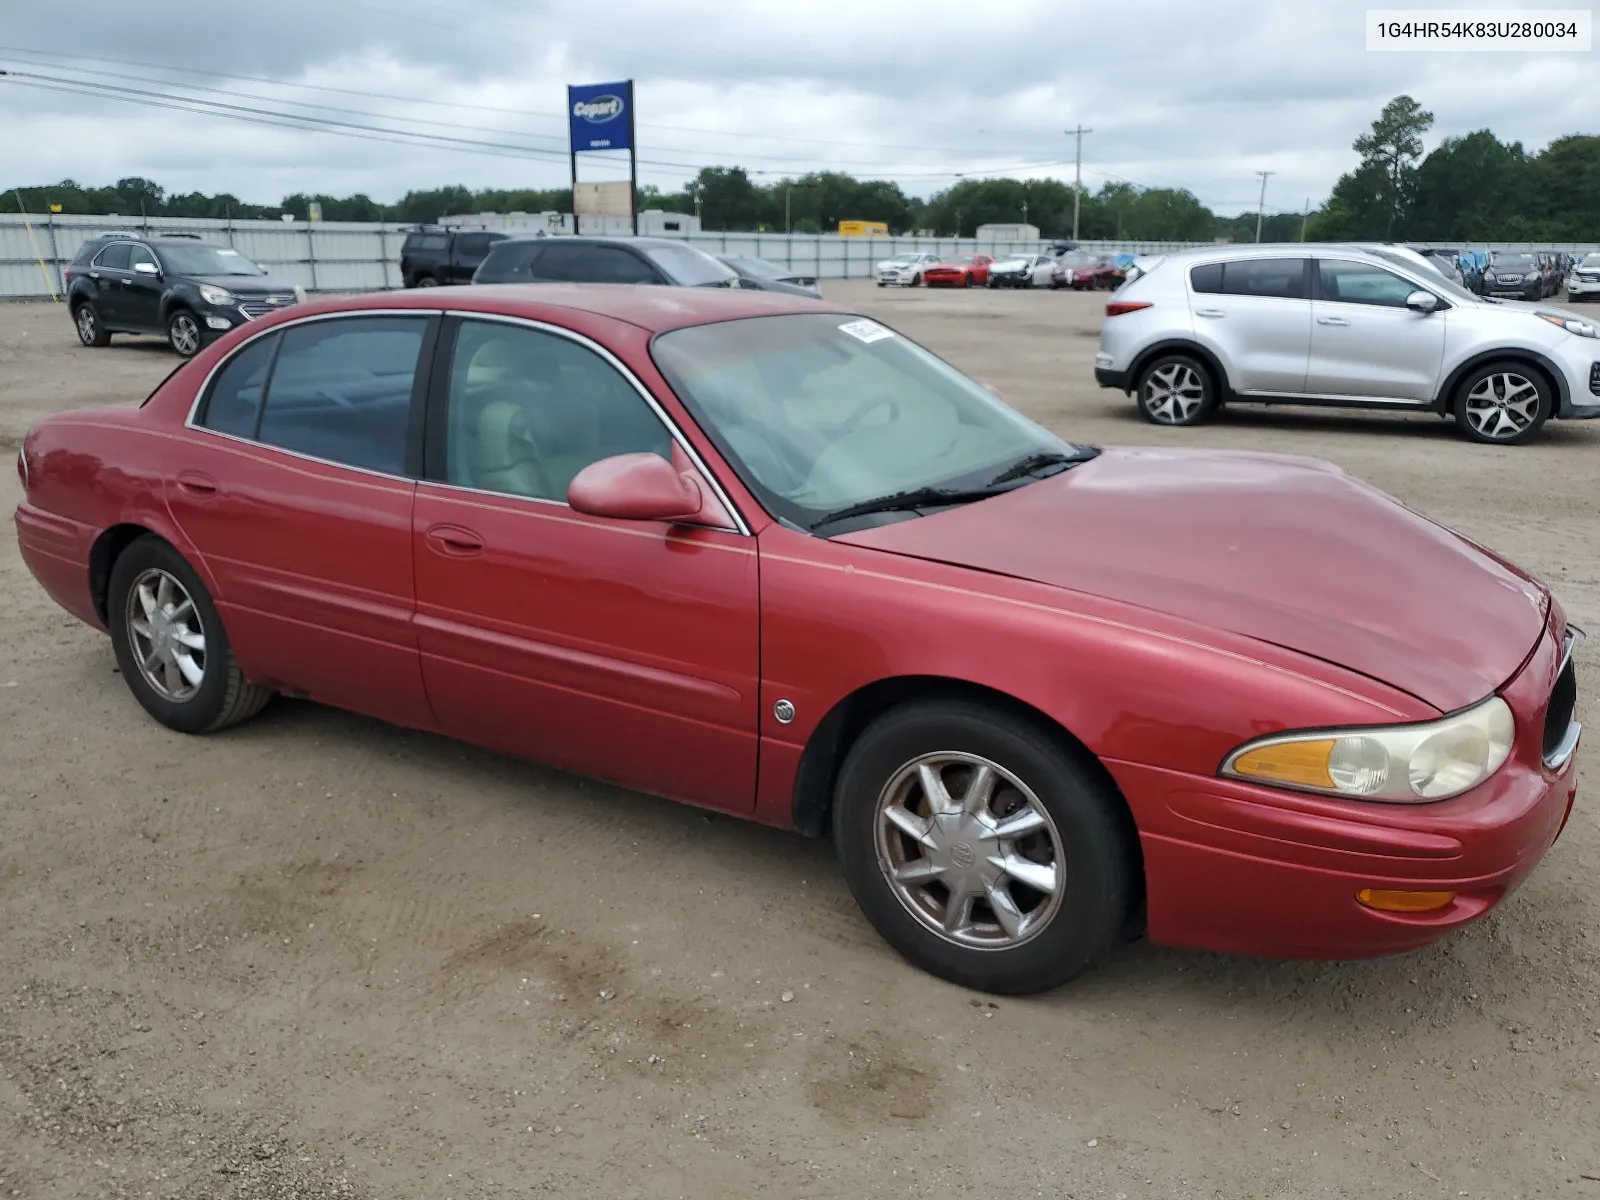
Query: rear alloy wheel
{"x": 183, "y": 333}
{"x": 1175, "y": 389}
{"x": 1502, "y": 404}
{"x": 426, "y": 281}
{"x": 170, "y": 645}
{"x": 87, "y": 322}
{"x": 980, "y": 849}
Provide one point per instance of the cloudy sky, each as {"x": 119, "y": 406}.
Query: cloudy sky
{"x": 1176, "y": 93}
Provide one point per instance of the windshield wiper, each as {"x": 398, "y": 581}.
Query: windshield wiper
{"x": 923, "y": 497}
{"x": 1037, "y": 462}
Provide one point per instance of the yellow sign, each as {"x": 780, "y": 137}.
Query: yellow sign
{"x": 863, "y": 229}
{"x": 55, "y": 208}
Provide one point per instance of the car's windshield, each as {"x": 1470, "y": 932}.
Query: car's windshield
{"x": 1522, "y": 262}
{"x": 1590, "y": 262}
{"x": 690, "y": 266}
{"x": 759, "y": 267}
{"x": 820, "y": 412}
{"x": 200, "y": 259}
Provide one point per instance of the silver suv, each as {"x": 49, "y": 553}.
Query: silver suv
{"x": 1351, "y": 326}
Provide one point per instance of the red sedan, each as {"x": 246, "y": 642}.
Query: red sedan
{"x": 971, "y": 270}
{"x": 757, "y": 555}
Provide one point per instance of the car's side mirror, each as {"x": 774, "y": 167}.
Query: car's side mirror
{"x": 635, "y": 487}
{"x": 146, "y": 268}
{"x": 1421, "y": 301}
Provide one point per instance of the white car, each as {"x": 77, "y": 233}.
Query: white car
{"x": 1584, "y": 281}
{"x": 904, "y": 270}
{"x": 1022, "y": 270}
{"x": 1343, "y": 325}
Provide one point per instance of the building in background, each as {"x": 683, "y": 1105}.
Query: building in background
{"x": 1008, "y": 233}
{"x": 653, "y": 222}
{"x": 863, "y": 229}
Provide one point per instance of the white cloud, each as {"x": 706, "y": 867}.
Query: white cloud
{"x": 1178, "y": 94}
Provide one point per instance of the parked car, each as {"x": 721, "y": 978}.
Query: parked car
{"x": 764, "y": 276}
{"x": 1514, "y": 273}
{"x": 433, "y": 255}
{"x": 1341, "y": 325}
{"x": 1554, "y": 274}
{"x": 905, "y": 270}
{"x": 970, "y": 270}
{"x": 1085, "y": 272}
{"x": 603, "y": 260}
{"x": 175, "y": 285}
{"x": 1022, "y": 271}
{"x": 788, "y": 565}
{"x": 1584, "y": 281}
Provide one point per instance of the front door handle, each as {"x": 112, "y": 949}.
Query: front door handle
{"x": 1332, "y": 321}
{"x": 197, "y": 484}
{"x": 454, "y": 541}
{"x": 1209, "y": 312}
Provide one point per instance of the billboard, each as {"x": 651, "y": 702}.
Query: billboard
{"x": 600, "y": 116}
{"x": 613, "y": 198}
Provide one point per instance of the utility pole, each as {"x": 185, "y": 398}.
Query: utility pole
{"x": 1306, "y": 216}
{"x": 1261, "y": 208}
{"x": 788, "y": 225}
{"x": 1077, "y": 176}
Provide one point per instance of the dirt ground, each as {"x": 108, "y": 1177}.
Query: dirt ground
{"x": 320, "y": 957}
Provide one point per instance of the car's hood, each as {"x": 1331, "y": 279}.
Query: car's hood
{"x": 246, "y": 285}
{"x": 1287, "y": 550}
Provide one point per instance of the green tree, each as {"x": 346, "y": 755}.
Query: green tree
{"x": 1564, "y": 188}
{"x": 1394, "y": 145}
{"x": 1469, "y": 188}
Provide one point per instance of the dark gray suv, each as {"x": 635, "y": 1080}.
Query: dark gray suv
{"x": 563, "y": 259}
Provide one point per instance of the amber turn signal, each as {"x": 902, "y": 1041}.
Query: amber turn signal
{"x": 1392, "y": 900}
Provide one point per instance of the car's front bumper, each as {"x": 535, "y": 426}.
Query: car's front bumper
{"x": 1238, "y": 868}
{"x": 1578, "y": 359}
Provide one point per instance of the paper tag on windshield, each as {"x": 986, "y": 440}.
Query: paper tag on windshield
{"x": 866, "y": 331}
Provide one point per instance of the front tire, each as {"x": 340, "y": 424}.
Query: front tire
{"x": 426, "y": 281}
{"x": 1175, "y": 389}
{"x": 183, "y": 333}
{"x": 982, "y": 848}
{"x": 91, "y": 332}
{"x": 1502, "y": 404}
{"x": 170, "y": 645}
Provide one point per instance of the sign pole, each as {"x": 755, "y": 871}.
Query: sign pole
{"x": 572, "y": 155}
{"x": 633, "y": 166}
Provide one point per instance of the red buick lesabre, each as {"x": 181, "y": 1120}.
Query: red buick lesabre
{"x": 754, "y": 554}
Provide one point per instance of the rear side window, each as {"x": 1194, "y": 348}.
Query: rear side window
{"x": 566, "y": 263}
{"x": 473, "y": 245}
{"x": 508, "y": 262}
{"x": 235, "y": 400}
{"x": 115, "y": 257}
{"x": 427, "y": 241}
{"x": 1207, "y": 278}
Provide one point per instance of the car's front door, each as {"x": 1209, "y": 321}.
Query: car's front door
{"x": 623, "y": 649}
{"x": 1365, "y": 342}
{"x": 141, "y": 293}
{"x": 108, "y": 275}
{"x": 1255, "y": 314}
{"x": 296, "y": 489}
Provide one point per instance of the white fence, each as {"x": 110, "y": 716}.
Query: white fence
{"x": 327, "y": 256}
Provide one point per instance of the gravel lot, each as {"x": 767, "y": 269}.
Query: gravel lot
{"x": 320, "y": 957}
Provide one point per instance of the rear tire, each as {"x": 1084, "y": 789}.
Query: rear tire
{"x": 921, "y": 809}
{"x": 170, "y": 644}
{"x": 1502, "y": 404}
{"x": 1175, "y": 389}
{"x": 426, "y": 281}
{"x": 91, "y": 331}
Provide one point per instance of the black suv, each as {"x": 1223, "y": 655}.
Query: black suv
{"x": 432, "y": 255}
{"x": 565, "y": 259}
{"x": 174, "y": 284}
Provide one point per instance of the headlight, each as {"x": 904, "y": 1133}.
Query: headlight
{"x": 1573, "y": 324}
{"x": 1530, "y": 276}
{"x": 1402, "y": 764}
{"x": 215, "y": 295}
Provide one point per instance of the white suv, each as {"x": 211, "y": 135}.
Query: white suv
{"x": 1584, "y": 281}
{"x": 905, "y": 269}
{"x": 1353, "y": 326}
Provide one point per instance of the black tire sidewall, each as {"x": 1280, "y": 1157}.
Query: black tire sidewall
{"x": 1097, "y": 874}
{"x": 1546, "y": 403}
{"x": 202, "y": 712}
{"x": 1208, "y": 404}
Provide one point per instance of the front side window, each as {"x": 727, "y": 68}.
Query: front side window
{"x": 137, "y": 255}
{"x": 338, "y": 390}
{"x": 114, "y": 258}
{"x": 1360, "y": 283}
{"x": 528, "y": 410}
{"x": 821, "y": 412}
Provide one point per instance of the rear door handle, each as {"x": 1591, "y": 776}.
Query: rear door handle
{"x": 454, "y": 541}
{"x": 1332, "y": 321}
{"x": 1209, "y": 312}
{"x": 197, "y": 484}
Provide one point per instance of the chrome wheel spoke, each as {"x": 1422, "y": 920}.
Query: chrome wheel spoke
{"x": 938, "y": 796}
{"x": 189, "y": 639}
{"x": 918, "y": 871}
{"x": 147, "y": 598}
{"x": 907, "y": 822}
{"x": 1041, "y": 877}
{"x": 141, "y": 628}
{"x": 980, "y": 789}
{"x": 171, "y": 676}
{"x": 166, "y": 636}
{"x": 188, "y": 669}
{"x": 1020, "y": 824}
{"x": 958, "y": 910}
{"x": 1011, "y": 918}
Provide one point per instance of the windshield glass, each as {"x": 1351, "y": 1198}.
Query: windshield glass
{"x": 821, "y": 411}
{"x": 690, "y": 266}
{"x": 759, "y": 267}
{"x": 1590, "y": 262}
{"x": 200, "y": 259}
{"x": 1521, "y": 262}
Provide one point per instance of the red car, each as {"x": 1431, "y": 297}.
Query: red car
{"x": 1086, "y": 272}
{"x": 971, "y": 270}
{"x": 757, "y": 555}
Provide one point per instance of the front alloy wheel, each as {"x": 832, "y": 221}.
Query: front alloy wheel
{"x": 1503, "y": 404}
{"x": 183, "y": 333}
{"x": 1175, "y": 390}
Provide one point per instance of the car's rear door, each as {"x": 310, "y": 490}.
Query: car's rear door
{"x": 623, "y": 649}
{"x": 1255, "y": 315}
{"x": 1365, "y": 343}
{"x": 296, "y": 487}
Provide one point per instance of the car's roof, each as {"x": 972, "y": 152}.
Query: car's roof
{"x": 597, "y": 239}
{"x": 652, "y": 307}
